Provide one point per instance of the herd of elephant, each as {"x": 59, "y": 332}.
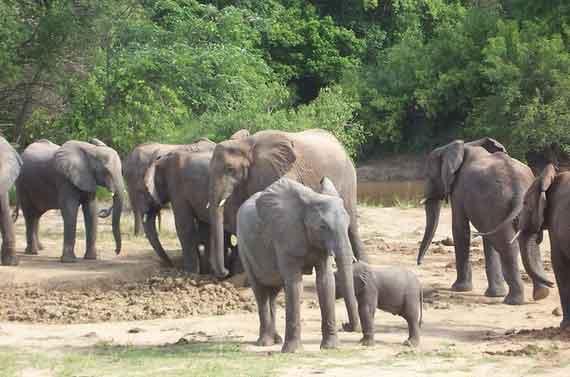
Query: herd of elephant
{"x": 290, "y": 198}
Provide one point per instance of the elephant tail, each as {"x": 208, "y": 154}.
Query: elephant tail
{"x": 421, "y": 307}
{"x": 16, "y": 212}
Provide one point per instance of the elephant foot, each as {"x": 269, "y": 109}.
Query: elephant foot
{"x": 349, "y": 327}
{"x": 565, "y": 325}
{"x": 412, "y": 342}
{"x": 267, "y": 340}
{"x": 30, "y": 251}
{"x": 514, "y": 299}
{"x": 500, "y": 291}
{"x": 292, "y": 346}
{"x": 329, "y": 343}
{"x": 68, "y": 259}
{"x": 367, "y": 341}
{"x": 462, "y": 286}
{"x": 90, "y": 255}
{"x": 540, "y": 292}
{"x": 10, "y": 260}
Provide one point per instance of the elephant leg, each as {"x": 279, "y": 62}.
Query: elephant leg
{"x": 266, "y": 329}
{"x": 412, "y": 316}
{"x": 37, "y": 235}
{"x": 326, "y": 294}
{"x": 273, "y": 310}
{"x": 187, "y": 231}
{"x": 90, "y": 217}
{"x": 462, "y": 239}
{"x": 355, "y": 240}
{"x": 69, "y": 208}
{"x": 540, "y": 291}
{"x": 510, "y": 264}
{"x": 366, "y": 311}
{"x": 293, "y": 293}
{"x": 561, "y": 267}
{"x": 203, "y": 239}
{"x": 137, "y": 214}
{"x": 9, "y": 257}
{"x": 32, "y": 225}
{"x": 494, "y": 271}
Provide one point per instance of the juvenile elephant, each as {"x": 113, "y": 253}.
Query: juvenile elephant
{"x": 288, "y": 229}
{"x": 181, "y": 178}
{"x": 486, "y": 188}
{"x": 390, "y": 289}
{"x": 240, "y": 168}
{"x": 10, "y": 166}
{"x": 547, "y": 206}
{"x": 135, "y": 166}
{"x": 65, "y": 178}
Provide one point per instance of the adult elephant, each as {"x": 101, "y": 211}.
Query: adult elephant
{"x": 486, "y": 188}
{"x": 65, "y": 178}
{"x": 288, "y": 229}
{"x": 135, "y": 167}
{"x": 10, "y": 166}
{"x": 240, "y": 168}
{"x": 547, "y": 206}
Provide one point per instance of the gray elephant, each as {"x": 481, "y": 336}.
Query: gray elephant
{"x": 10, "y": 166}
{"x": 391, "y": 289}
{"x": 547, "y": 206}
{"x": 181, "y": 178}
{"x": 240, "y": 168}
{"x": 135, "y": 166}
{"x": 65, "y": 178}
{"x": 485, "y": 187}
{"x": 285, "y": 231}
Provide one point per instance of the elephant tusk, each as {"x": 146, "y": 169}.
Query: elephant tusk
{"x": 423, "y": 201}
{"x": 354, "y": 260}
{"x": 207, "y": 205}
{"x": 515, "y": 237}
{"x": 222, "y": 202}
{"x": 145, "y": 217}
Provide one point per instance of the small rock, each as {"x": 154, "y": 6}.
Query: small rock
{"x": 557, "y": 312}
{"x": 135, "y": 330}
{"x": 447, "y": 242}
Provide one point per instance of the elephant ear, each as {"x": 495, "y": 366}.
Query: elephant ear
{"x": 281, "y": 209}
{"x": 490, "y": 144}
{"x": 10, "y": 165}
{"x": 152, "y": 181}
{"x": 451, "y": 160}
{"x": 73, "y": 163}
{"x": 544, "y": 181}
{"x": 241, "y": 134}
{"x": 327, "y": 187}
{"x": 271, "y": 159}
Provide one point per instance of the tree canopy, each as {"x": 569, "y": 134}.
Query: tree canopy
{"x": 382, "y": 75}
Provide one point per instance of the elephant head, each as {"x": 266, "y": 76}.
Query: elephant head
{"x": 87, "y": 166}
{"x": 313, "y": 221}
{"x": 157, "y": 191}
{"x": 442, "y": 166}
{"x": 10, "y": 165}
{"x": 532, "y": 221}
{"x": 240, "y": 167}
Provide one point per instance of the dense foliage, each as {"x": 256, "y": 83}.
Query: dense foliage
{"x": 382, "y": 75}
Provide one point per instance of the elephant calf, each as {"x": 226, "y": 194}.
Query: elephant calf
{"x": 394, "y": 290}
{"x": 283, "y": 231}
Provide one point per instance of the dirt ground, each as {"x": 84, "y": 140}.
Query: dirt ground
{"x": 464, "y": 334}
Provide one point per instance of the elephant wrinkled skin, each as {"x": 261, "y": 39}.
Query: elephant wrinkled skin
{"x": 240, "y": 168}
{"x": 285, "y": 230}
{"x": 486, "y": 187}
{"x": 65, "y": 178}
{"x": 547, "y": 206}
{"x": 10, "y": 167}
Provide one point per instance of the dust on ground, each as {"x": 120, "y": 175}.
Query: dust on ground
{"x": 464, "y": 334}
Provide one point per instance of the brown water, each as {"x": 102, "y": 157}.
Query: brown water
{"x": 392, "y": 193}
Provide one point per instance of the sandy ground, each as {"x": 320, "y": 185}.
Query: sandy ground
{"x": 464, "y": 334}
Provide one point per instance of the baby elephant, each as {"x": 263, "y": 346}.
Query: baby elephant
{"x": 395, "y": 290}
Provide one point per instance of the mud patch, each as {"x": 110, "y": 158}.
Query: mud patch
{"x": 547, "y": 333}
{"x": 168, "y": 294}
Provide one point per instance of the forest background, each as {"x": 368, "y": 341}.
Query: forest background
{"x": 385, "y": 76}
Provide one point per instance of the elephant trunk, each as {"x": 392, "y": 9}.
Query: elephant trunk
{"x": 217, "y": 240}
{"x": 531, "y": 260}
{"x": 346, "y": 283}
{"x": 433, "y": 209}
{"x": 149, "y": 225}
{"x": 117, "y": 209}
